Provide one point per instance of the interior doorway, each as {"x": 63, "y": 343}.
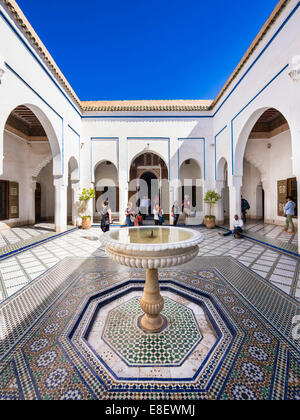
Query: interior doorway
{"x": 153, "y": 192}
{"x": 38, "y": 202}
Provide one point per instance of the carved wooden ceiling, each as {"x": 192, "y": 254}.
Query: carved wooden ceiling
{"x": 271, "y": 123}
{"x": 23, "y": 121}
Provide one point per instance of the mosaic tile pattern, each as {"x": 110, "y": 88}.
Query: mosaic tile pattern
{"x": 262, "y": 361}
{"x": 195, "y": 362}
{"x": 137, "y": 348}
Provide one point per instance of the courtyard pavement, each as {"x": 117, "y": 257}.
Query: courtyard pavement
{"x": 17, "y": 239}
{"x": 17, "y": 271}
{"x": 272, "y": 232}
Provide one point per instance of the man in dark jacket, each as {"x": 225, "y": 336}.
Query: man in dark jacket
{"x": 244, "y": 206}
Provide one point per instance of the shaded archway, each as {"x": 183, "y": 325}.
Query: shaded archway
{"x": 192, "y": 189}
{"x": 223, "y": 190}
{"x": 153, "y": 191}
{"x": 32, "y": 122}
{"x": 266, "y": 165}
{"x": 44, "y": 194}
{"x": 29, "y": 139}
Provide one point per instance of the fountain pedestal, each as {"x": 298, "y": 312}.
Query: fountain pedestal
{"x": 152, "y": 303}
{"x": 152, "y": 248}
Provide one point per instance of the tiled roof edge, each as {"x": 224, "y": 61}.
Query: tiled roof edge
{"x": 17, "y": 15}
{"x": 141, "y": 108}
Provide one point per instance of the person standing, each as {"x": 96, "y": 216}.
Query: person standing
{"x": 245, "y": 206}
{"x": 161, "y": 219}
{"x": 289, "y": 211}
{"x": 105, "y": 216}
{"x": 158, "y": 215}
{"x": 130, "y": 216}
{"x": 175, "y": 213}
{"x": 187, "y": 206}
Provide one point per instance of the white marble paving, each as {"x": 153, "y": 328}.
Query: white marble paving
{"x": 15, "y": 272}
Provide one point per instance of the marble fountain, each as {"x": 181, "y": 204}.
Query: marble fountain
{"x": 152, "y": 248}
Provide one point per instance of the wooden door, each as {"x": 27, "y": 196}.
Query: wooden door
{"x": 3, "y": 200}
{"x": 13, "y": 200}
{"x": 282, "y": 192}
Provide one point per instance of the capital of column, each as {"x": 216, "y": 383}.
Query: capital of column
{"x": 236, "y": 181}
{"x": 59, "y": 182}
{"x": 33, "y": 183}
{"x": 75, "y": 185}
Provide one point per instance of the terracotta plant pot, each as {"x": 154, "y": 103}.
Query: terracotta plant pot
{"x": 210, "y": 222}
{"x": 86, "y": 222}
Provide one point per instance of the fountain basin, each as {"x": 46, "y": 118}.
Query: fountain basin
{"x": 137, "y": 248}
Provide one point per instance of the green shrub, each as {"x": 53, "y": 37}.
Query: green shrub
{"x": 211, "y": 198}
{"x": 87, "y": 194}
{"x": 84, "y": 198}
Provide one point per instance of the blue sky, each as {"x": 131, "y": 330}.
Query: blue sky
{"x": 154, "y": 49}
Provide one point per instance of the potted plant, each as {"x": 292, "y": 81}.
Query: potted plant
{"x": 84, "y": 198}
{"x": 211, "y": 198}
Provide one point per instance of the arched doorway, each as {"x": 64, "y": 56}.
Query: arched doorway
{"x": 152, "y": 192}
{"x": 106, "y": 188}
{"x": 223, "y": 190}
{"x": 149, "y": 181}
{"x": 72, "y": 191}
{"x": 27, "y": 143}
{"x": 267, "y": 167}
{"x": 44, "y": 195}
{"x": 192, "y": 189}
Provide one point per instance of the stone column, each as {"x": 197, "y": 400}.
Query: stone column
{"x": 60, "y": 210}
{"x": 123, "y": 196}
{"x": 171, "y": 199}
{"x": 268, "y": 204}
{"x": 235, "y": 197}
{"x": 75, "y": 203}
{"x": 91, "y": 205}
{"x": 220, "y": 208}
{"x": 31, "y": 210}
{"x": 123, "y": 177}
